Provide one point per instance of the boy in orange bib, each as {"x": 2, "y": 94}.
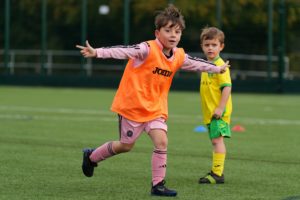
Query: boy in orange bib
{"x": 141, "y": 100}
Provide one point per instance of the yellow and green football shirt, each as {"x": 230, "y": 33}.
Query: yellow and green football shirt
{"x": 211, "y": 86}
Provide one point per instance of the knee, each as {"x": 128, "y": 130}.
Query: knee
{"x": 126, "y": 147}
{"x": 214, "y": 143}
{"x": 163, "y": 144}
{"x": 217, "y": 141}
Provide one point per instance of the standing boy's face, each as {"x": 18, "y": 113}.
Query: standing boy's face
{"x": 212, "y": 48}
{"x": 169, "y": 36}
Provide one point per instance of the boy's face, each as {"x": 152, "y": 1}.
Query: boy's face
{"x": 169, "y": 36}
{"x": 212, "y": 48}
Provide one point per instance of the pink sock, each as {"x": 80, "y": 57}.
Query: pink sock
{"x": 159, "y": 165}
{"x": 103, "y": 152}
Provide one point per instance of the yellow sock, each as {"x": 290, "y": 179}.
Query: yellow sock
{"x": 218, "y": 163}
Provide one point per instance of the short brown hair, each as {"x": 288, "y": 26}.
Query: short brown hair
{"x": 209, "y": 33}
{"x": 171, "y": 13}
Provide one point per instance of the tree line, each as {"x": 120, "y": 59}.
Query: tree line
{"x": 245, "y": 23}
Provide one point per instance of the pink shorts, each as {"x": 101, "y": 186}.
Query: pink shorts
{"x": 131, "y": 130}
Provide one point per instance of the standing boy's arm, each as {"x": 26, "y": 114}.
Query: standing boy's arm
{"x": 226, "y": 91}
{"x": 200, "y": 65}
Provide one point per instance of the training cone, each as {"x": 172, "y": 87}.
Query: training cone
{"x": 200, "y": 129}
{"x": 238, "y": 128}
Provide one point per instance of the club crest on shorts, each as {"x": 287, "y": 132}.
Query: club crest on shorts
{"x": 129, "y": 133}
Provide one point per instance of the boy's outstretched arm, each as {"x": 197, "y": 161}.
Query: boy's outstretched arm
{"x": 200, "y": 65}
{"x": 88, "y": 51}
{"x": 138, "y": 51}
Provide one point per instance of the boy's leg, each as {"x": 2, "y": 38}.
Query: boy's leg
{"x": 103, "y": 152}
{"x": 218, "y": 129}
{"x": 109, "y": 149}
{"x": 216, "y": 175}
{"x": 158, "y": 135}
{"x": 157, "y": 130}
{"x": 218, "y": 159}
{"x": 129, "y": 131}
{"x": 219, "y": 154}
{"x": 92, "y": 156}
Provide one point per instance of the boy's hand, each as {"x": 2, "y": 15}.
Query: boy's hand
{"x": 218, "y": 113}
{"x": 88, "y": 51}
{"x": 224, "y": 67}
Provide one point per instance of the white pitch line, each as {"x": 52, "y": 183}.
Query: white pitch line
{"x": 54, "y": 110}
{"x": 55, "y": 118}
{"x": 187, "y": 119}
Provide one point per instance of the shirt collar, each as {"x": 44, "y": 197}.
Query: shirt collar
{"x": 216, "y": 58}
{"x": 161, "y": 46}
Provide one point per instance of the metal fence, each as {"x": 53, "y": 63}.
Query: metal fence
{"x": 59, "y": 62}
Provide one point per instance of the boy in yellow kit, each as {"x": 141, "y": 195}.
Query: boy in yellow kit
{"x": 215, "y": 92}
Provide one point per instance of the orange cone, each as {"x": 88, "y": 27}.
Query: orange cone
{"x": 238, "y": 128}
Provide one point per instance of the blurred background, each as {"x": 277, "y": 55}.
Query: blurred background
{"x": 38, "y": 38}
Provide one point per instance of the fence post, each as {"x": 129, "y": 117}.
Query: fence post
{"x": 270, "y": 37}
{"x": 126, "y": 21}
{"x": 281, "y": 47}
{"x": 43, "y": 36}
{"x": 83, "y": 30}
{"x": 219, "y": 14}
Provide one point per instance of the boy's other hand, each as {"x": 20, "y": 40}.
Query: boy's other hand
{"x": 224, "y": 67}
{"x": 88, "y": 51}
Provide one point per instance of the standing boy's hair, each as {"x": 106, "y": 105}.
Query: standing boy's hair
{"x": 171, "y": 13}
{"x": 209, "y": 33}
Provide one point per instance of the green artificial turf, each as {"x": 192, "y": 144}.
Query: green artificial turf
{"x": 43, "y": 132}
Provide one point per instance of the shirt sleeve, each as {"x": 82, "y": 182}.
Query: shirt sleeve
{"x": 138, "y": 52}
{"x": 224, "y": 79}
{"x": 199, "y": 65}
